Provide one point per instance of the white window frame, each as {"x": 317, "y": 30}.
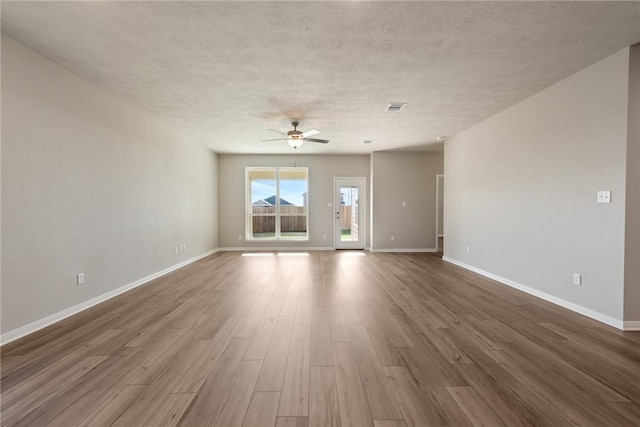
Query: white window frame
{"x": 278, "y": 214}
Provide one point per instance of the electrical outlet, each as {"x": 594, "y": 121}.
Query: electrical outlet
{"x": 404, "y": 204}
{"x": 324, "y": 237}
{"x": 468, "y": 249}
{"x": 80, "y": 279}
{"x": 393, "y": 238}
{"x": 175, "y": 250}
{"x": 239, "y": 236}
{"x": 577, "y": 279}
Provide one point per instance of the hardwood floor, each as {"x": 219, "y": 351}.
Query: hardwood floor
{"x": 327, "y": 339}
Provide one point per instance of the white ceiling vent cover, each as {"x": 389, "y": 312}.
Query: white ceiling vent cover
{"x": 395, "y": 107}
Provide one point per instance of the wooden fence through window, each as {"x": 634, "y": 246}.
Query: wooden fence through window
{"x": 292, "y": 219}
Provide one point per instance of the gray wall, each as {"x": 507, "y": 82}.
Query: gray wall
{"x": 632, "y": 224}
{"x": 521, "y": 190}
{"x": 404, "y": 177}
{"x": 90, "y": 184}
{"x": 322, "y": 169}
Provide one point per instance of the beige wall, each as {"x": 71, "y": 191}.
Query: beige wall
{"x": 632, "y": 222}
{"x": 408, "y": 177}
{"x": 322, "y": 170}
{"x": 521, "y": 191}
{"x": 90, "y": 184}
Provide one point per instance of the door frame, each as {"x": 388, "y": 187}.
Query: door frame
{"x": 439, "y": 199}
{"x": 361, "y": 181}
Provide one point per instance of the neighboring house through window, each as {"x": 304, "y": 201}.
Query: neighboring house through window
{"x": 276, "y": 203}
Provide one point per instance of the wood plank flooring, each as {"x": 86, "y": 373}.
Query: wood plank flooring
{"x": 323, "y": 339}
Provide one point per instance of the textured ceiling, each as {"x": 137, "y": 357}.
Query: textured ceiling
{"x": 223, "y": 73}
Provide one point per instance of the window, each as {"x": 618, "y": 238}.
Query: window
{"x": 277, "y": 207}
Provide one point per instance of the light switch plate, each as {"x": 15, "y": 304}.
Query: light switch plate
{"x": 577, "y": 279}
{"x": 604, "y": 196}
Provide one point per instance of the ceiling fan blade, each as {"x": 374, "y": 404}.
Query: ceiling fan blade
{"x": 280, "y": 132}
{"x": 276, "y": 139}
{"x": 310, "y": 132}
{"x": 321, "y": 141}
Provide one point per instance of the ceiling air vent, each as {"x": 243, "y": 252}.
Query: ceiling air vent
{"x": 394, "y": 107}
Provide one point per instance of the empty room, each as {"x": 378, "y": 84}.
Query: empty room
{"x": 340, "y": 213}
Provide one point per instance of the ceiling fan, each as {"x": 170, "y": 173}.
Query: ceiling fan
{"x": 296, "y": 138}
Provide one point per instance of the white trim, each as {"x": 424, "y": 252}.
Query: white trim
{"x": 439, "y": 177}
{"x": 49, "y": 320}
{"x": 631, "y": 325}
{"x": 406, "y": 250}
{"x": 274, "y": 248}
{"x": 611, "y": 321}
{"x": 361, "y": 182}
{"x": 248, "y": 210}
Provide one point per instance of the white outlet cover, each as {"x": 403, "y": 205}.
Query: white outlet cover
{"x": 577, "y": 279}
{"x": 80, "y": 279}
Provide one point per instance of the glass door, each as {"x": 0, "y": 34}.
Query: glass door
{"x": 350, "y": 208}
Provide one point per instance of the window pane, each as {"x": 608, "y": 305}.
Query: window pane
{"x": 293, "y": 191}
{"x": 262, "y": 189}
{"x": 349, "y": 214}
{"x": 293, "y": 227}
{"x": 263, "y": 227}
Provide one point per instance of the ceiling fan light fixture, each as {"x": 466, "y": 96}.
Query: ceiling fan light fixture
{"x": 295, "y": 142}
{"x": 296, "y": 138}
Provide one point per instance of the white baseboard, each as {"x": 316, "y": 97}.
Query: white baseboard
{"x": 611, "y": 321}
{"x": 405, "y": 250}
{"x": 274, "y": 248}
{"x": 49, "y": 320}
{"x": 631, "y": 325}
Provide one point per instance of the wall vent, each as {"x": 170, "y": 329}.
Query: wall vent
{"x": 394, "y": 107}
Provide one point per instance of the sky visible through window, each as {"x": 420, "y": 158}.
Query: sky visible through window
{"x": 291, "y": 190}
{"x": 346, "y": 193}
